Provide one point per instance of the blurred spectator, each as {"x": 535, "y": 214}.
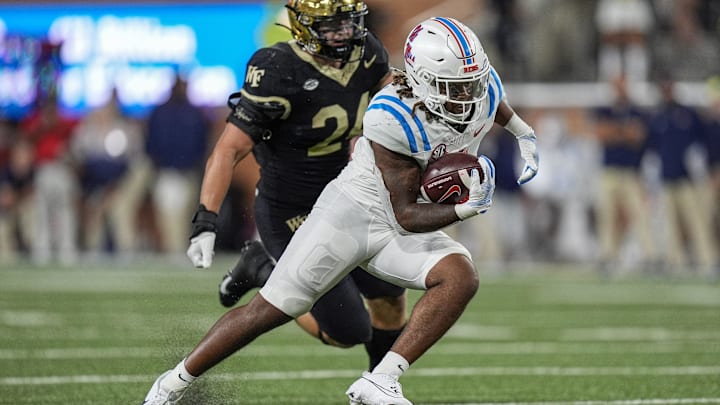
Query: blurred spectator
{"x": 560, "y": 46}
{"x": 8, "y": 136}
{"x": 686, "y": 50}
{"x": 109, "y": 152}
{"x": 623, "y": 27}
{"x": 16, "y": 177}
{"x": 177, "y": 140}
{"x": 675, "y": 130}
{"x": 712, "y": 134}
{"x": 623, "y": 201}
{"x": 558, "y": 199}
{"x": 709, "y": 13}
{"x": 509, "y": 38}
{"x": 580, "y": 154}
{"x": 56, "y": 189}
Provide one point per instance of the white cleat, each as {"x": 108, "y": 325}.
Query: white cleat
{"x": 376, "y": 389}
{"x": 161, "y": 394}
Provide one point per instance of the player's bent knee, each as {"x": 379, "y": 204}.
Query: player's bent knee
{"x": 457, "y": 272}
{"x": 387, "y": 312}
{"x": 348, "y": 333}
{"x": 259, "y": 314}
{"x": 292, "y": 305}
{"x": 345, "y": 342}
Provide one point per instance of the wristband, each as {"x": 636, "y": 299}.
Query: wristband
{"x": 203, "y": 221}
{"x": 518, "y": 127}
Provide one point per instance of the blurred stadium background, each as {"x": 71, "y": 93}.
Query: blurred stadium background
{"x": 77, "y": 310}
{"x": 556, "y": 59}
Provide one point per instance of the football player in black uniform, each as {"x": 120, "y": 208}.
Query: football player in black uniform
{"x": 301, "y": 104}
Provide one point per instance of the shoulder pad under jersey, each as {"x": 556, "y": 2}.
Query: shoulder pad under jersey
{"x": 390, "y": 122}
{"x": 270, "y": 71}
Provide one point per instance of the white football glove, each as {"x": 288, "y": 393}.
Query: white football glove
{"x": 528, "y": 151}
{"x": 202, "y": 249}
{"x": 480, "y": 198}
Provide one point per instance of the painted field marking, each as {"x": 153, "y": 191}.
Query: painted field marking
{"x": 421, "y": 372}
{"x": 649, "y": 401}
{"x": 446, "y": 348}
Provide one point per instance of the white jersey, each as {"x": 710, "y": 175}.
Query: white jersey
{"x": 353, "y": 222}
{"x": 390, "y": 122}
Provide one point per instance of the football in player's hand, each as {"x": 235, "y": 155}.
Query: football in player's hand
{"x": 447, "y": 179}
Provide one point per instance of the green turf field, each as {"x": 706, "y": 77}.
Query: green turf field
{"x": 100, "y": 335}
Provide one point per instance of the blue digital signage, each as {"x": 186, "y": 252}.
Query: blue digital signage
{"x": 81, "y": 52}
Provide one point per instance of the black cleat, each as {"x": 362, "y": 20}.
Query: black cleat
{"x": 251, "y": 271}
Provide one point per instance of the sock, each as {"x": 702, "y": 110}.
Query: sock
{"x": 178, "y": 378}
{"x": 380, "y": 343}
{"x": 393, "y": 365}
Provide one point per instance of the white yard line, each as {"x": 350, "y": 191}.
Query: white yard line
{"x": 420, "y": 372}
{"x": 653, "y": 401}
{"x": 446, "y": 348}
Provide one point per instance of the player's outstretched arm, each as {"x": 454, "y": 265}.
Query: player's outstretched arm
{"x": 527, "y": 141}
{"x": 230, "y": 149}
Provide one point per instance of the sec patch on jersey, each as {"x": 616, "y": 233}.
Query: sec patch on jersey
{"x": 447, "y": 180}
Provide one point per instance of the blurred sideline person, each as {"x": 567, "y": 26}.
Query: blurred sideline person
{"x": 712, "y": 133}
{"x": 624, "y": 28}
{"x": 371, "y": 216}
{"x": 108, "y": 150}
{"x": 177, "y": 137}
{"x": 55, "y": 185}
{"x": 299, "y": 128}
{"x": 16, "y": 189}
{"x": 675, "y": 129}
{"x": 621, "y": 128}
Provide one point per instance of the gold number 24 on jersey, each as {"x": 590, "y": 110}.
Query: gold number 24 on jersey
{"x": 333, "y": 142}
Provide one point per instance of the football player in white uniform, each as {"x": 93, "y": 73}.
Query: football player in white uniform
{"x": 371, "y": 215}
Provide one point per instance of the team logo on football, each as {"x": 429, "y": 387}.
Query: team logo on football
{"x": 438, "y": 152}
{"x": 311, "y": 84}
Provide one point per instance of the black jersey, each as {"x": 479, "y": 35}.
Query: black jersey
{"x": 302, "y": 115}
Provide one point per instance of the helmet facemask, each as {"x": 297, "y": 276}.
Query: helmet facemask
{"x": 329, "y": 29}
{"x": 455, "y": 98}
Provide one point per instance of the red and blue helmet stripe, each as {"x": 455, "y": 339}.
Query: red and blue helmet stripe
{"x": 464, "y": 43}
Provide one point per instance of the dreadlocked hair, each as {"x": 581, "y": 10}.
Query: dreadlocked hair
{"x": 399, "y": 78}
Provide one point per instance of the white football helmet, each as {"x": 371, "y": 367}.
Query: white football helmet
{"x": 447, "y": 68}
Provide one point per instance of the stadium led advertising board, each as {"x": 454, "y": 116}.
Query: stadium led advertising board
{"x": 83, "y": 51}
